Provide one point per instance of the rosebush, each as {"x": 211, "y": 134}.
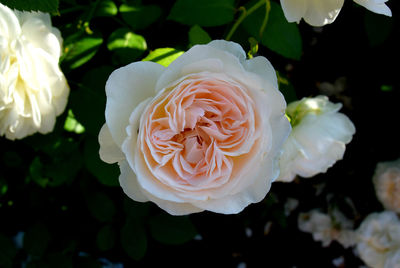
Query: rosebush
{"x": 62, "y": 206}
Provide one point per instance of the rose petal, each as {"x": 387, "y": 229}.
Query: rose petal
{"x": 197, "y": 60}
{"x": 294, "y": 10}
{"x": 320, "y": 13}
{"x": 377, "y": 6}
{"x": 129, "y": 183}
{"x": 125, "y": 89}
{"x": 9, "y": 24}
{"x": 109, "y": 151}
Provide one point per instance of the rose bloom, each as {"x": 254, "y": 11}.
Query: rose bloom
{"x": 318, "y": 138}
{"x": 33, "y": 90}
{"x": 326, "y": 228}
{"x": 387, "y": 184}
{"x": 202, "y": 134}
{"x": 379, "y": 240}
{"x": 319, "y": 13}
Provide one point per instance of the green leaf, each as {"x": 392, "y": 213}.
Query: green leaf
{"x": 198, "y": 36}
{"x": 91, "y": 91}
{"x": 106, "y": 174}
{"x": 136, "y": 210}
{"x": 279, "y": 35}
{"x": 203, "y": 12}
{"x": 48, "y": 6}
{"x": 164, "y": 56}
{"x": 12, "y": 159}
{"x": 105, "y": 238}
{"x": 105, "y": 8}
{"x": 139, "y": 16}
{"x": 72, "y": 125}
{"x": 126, "y": 45}
{"x": 3, "y": 187}
{"x": 133, "y": 239}
{"x": 286, "y": 88}
{"x": 36, "y": 240}
{"x": 7, "y": 252}
{"x": 378, "y": 28}
{"x": 79, "y": 48}
{"x": 172, "y": 230}
{"x": 101, "y": 207}
{"x": 64, "y": 168}
{"x": 37, "y": 174}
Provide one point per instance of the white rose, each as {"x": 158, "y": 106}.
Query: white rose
{"x": 379, "y": 240}
{"x": 202, "y": 134}
{"x": 319, "y": 13}
{"x": 387, "y": 184}
{"x": 33, "y": 90}
{"x": 326, "y": 228}
{"x": 318, "y": 138}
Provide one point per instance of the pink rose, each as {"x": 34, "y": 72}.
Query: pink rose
{"x": 202, "y": 134}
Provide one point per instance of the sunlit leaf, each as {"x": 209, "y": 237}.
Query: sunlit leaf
{"x": 72, "y": 125}
{"x": 163, "y": 56}
{"x": 126, "y": 46}
{"x": 203, "y": 12}
{"x": 79, "y": 48}
{"x": 139, "y": 16}
{"x": 105, "y": 8}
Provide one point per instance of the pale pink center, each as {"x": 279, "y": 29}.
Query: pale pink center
{"x": 195, "y": 130}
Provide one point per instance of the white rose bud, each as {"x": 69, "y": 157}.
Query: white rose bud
{"x": 378, "y": 240}
{"x": 318, "y": 138}
{"x": 33, "y": 90}
{"x": 327, "y": 228}
{"x": 387, "y": 184}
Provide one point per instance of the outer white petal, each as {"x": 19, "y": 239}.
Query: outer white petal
{"x": 264, "y": 69}
{"x": 393, "y": 259}
{"x": 377, "y": 6}
{"x": 231, "y": 47}
{"x": 109, "y": 151}
{"x": 39, "y": 32}
{"x": 129, "y": 183}
{"x": 9, "y": 24}
{"x": 320, "y": 13}
{"x": 202, "y": 58}
{"x": 378, "y": 237}
{"x": 294, "y": 10}
{"x": 125, "y": 89}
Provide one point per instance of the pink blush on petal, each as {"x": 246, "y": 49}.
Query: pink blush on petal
{"x": 193, "y": 133}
